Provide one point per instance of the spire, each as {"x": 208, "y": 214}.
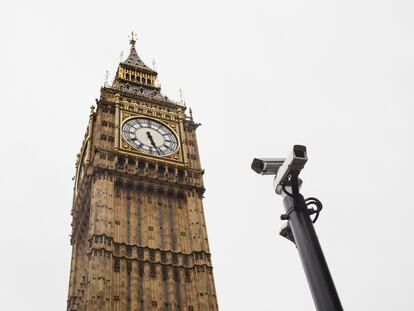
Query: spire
{"x": 133, "y": 58}
{"x": 191, "y": 115}
{"x": 134, "y": 75}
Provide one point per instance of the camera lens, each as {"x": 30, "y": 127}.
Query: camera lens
{"x": 258, "y": 166}
{"x": 300, "y": 153}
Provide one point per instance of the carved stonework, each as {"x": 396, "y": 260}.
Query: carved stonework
{"x": 139, "y": 239}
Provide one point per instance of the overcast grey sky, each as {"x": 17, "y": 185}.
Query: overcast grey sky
{"x": 336, "y": 76}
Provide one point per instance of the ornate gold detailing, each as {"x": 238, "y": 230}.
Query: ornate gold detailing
{"x": 116, "y": 133}
{"x": 136, "y": 76}
{"x": 174, "y": 126}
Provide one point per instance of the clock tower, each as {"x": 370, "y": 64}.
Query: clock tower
{"x": 139, "y": 239}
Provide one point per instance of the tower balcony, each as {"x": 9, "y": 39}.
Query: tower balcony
{"x": 149, "y": 169}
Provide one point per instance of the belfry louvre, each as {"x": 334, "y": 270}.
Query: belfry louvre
{"x": 139, "y": 239}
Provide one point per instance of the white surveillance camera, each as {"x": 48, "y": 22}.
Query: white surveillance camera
{"x": 294, "y": 163}
{"x": 281, "y": 167}
{"x": 267, "y": 166}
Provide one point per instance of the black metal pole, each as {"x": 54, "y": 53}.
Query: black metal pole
{"x": 316, "y": 269}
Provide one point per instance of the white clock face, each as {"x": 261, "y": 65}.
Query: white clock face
{"x": 149, "y": 136}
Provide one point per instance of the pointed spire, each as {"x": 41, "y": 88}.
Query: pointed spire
{"x": 134, "y": 75}
{"x": 191, "y": 115}
{"x": 182, "y": 97}
{"x": 133, "y": 59}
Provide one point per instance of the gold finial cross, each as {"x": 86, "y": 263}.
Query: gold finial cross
{"x": 133, "y": 37}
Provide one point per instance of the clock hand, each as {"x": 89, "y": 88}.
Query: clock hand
{"x": 152, "y": 141}
{"x": 150, "y": 138}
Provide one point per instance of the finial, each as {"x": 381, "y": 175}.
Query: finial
{"x": 133, "y": 39}
{"x": 191, "y": 114}
{"x": 154, "y": 65}
{"x": 182, "y": 98}
{"x": 92, "y": 110}
{"x": 106, "y": 77}
{"x": 122, "y": 55}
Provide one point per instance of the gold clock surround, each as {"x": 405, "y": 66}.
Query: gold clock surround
{"x": 124, "y": 147}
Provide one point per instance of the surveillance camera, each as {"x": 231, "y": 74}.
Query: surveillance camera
{"x": 293, "y": 164}
{"x": 267, "y": 166}
{"x": 281, "y": 167}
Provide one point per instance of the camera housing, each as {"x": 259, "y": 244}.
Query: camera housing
{"x": 294, "y": 163}
{"x": 267, "y": 166}
{"x": 281, "y": 167}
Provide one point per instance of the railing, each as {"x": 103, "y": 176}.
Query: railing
{"x": 136, "y": 92}
{"x": 156, "y": 174}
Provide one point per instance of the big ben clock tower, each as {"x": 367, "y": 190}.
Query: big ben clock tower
{"x": 139, "y": 239}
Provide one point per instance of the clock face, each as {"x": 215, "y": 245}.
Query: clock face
{"x": 149, "y": 136}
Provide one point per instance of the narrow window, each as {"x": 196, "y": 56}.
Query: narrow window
{"x": 161, "y": 170}
{"x": 141, "y": 166}
{"x": 152, "y": 255}
{"x": 176, "y": 275}
{"x": 117, "y": 265}
{"x": 163, "y": 257}
{"x": 164, "y": 273}
{"x": 140, "y": 253}
{"x": 153, "y": 271}
{"x": 128, "y": 250}
{"x": 187, "y": 276}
